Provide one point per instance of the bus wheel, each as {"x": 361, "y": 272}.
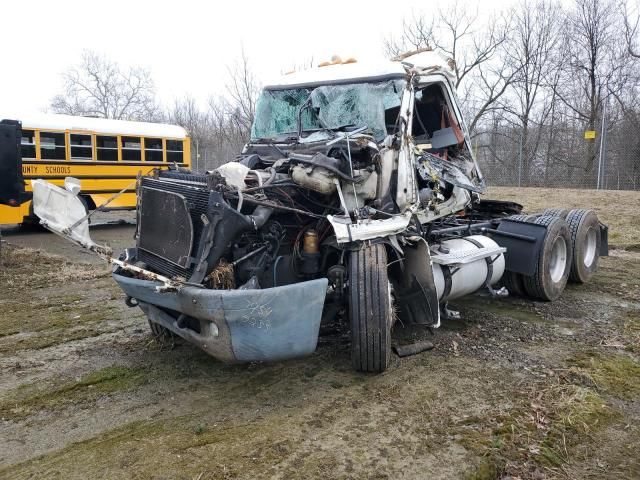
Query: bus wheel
{"x": 85, "y": 204}
{"x": 370, "y": 309}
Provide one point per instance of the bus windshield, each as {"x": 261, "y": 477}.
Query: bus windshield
{"x": 331, "y": 106}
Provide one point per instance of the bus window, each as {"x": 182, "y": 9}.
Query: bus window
{"x": 153, "y": 149}
{"x": 52, "y": 146}
{"x": 81, "y": 146}
{"x": 131, "y": 149}
{"x": 174, "y": 151}
{"x": 28, "y": 144}
{"x": 107, "y": 148}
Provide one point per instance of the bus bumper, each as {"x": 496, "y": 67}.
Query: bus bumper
{"x": 236, "y": 326}
{"x": 14, "y": 215}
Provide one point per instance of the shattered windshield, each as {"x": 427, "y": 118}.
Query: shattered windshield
{"x": 331, "y": 106}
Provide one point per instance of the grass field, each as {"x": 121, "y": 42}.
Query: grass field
{"x": 620, "y": 210}
{"x": 517, "y": 389}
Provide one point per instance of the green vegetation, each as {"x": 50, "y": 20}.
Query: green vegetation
{"x": 615, "y": 374}
{"x": 26, "y": 400}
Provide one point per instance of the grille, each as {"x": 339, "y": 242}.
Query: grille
{"x": 197, "y": 201}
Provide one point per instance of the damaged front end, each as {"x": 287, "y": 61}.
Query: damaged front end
{"x": 330, "y": 215}
{"x": 235, "y": 301}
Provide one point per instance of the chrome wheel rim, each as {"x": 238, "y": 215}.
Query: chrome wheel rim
{"x": 558, "y": 262}
{"x": 590, "y": 247}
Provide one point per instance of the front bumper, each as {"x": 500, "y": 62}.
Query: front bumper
{"x": 238, "y": 325}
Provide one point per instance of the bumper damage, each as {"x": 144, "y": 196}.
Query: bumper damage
{"x": 237, "y": 325}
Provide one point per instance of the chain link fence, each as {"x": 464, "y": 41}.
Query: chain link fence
{"x": 557, "y": 155}
{"x": 561, "y": 155}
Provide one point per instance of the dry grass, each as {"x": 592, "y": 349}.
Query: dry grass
{"x": 24, "y": 401}
{"x": 28, "y": 267}
{"x": 620, "y": 210}
{"x": 221, "y": 278}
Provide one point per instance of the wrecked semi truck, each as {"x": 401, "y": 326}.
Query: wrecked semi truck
{"x": 357, "y": 198}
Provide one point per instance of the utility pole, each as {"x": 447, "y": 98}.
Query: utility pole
{"x": 601, "y": 158}
{"x": 520, "y": 161}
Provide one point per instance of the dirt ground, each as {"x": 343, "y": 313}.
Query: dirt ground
{"x": 517, "y": 389}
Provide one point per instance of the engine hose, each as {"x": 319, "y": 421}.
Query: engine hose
{"x": 272, "y": 177}
{"x": 260, "y": 216}
{"x": 275, "y": 270}
{"x": 240, "y": 200}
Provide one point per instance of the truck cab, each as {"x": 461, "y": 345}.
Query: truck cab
{"x": 356, "y": 200}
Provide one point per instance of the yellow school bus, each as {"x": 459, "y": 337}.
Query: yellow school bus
{"x": 105, "y": 155}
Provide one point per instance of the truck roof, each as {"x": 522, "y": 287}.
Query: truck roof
{"x": 342, "y": 72}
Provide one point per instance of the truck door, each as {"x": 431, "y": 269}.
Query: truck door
{"x": 12, "y": 191}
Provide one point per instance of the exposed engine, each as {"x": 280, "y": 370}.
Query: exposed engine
{"x": 356, "y": 197}
{"x": 264, "y": 220}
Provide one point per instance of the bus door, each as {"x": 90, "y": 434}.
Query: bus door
{"x": 12, "y": 192}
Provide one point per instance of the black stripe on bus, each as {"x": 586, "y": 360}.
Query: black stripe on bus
{"x": 89, "y": 192}
{"x": 99, "y": 162}
{"x": 95, "y": 177}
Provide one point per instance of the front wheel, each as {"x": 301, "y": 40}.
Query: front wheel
{"x": 370, "y": 309}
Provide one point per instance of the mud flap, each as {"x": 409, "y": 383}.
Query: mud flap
{"x": 417, "y": 296}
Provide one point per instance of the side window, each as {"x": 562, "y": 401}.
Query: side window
{"x": 153, "y": 149}
{"x": 174, "y": 151}
{"x": 28, "y": 144}
{"x": 131, "y": 149}
{"x": 107, "y": 148}
{"x": 52, "y": 146}
{"x": 427, "y": 113}
{"x": 81, "y": 146}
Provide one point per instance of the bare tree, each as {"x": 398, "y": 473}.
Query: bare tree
{"x": 243, "y": 90}
{"x": 221, "y": 127}
{"x": 631, "y": 25}
{"x": 476, "y": 49}
{"x": 191, "y": 117}
{"x": 99, "y": 87}
{"x": 595, "y": 66}
{"x": 417, "y": 34}
{"x": 531, "y": 50}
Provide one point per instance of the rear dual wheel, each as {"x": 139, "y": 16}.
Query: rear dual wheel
{"x": 370, "y": 309}
{"x": 554, "y": 261}
{"x": 585, "y": 239}
{"x": 556, "y": 212}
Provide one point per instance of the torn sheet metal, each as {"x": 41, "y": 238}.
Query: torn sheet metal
{"x": 62, "y": 212}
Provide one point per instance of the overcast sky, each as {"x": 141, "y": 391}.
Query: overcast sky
{"x": 187, "y": 45}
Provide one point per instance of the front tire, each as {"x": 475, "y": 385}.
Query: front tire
{"x": 370, "y": 309}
